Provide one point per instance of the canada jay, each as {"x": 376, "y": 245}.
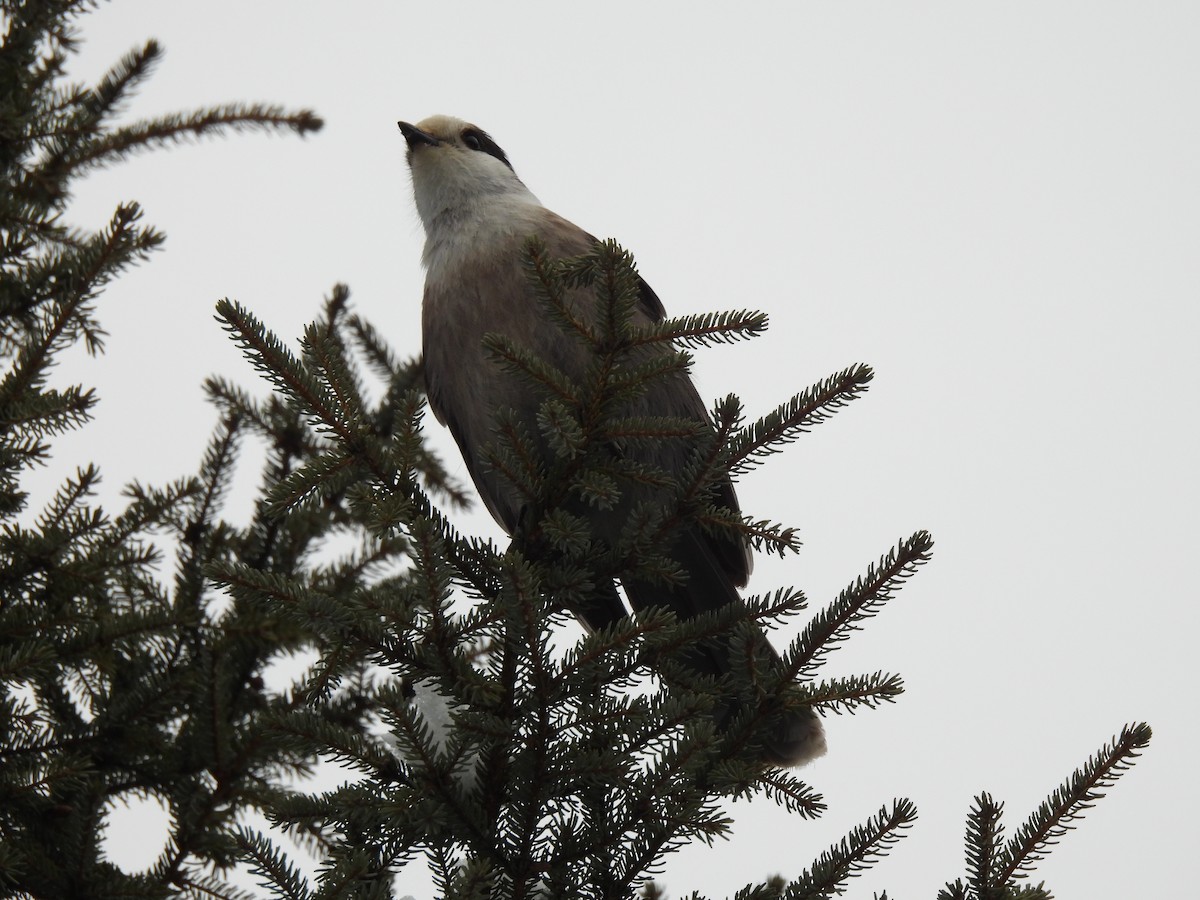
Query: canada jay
{"x": 477, "y": 216}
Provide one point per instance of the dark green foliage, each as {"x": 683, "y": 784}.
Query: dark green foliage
{"x": 514, "y": 768}
{"x": 995, "y": 867}
{"x": 471, "y": 740}
{"x": 116, "y": 685}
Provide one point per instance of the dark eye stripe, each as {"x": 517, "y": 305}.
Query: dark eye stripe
{"x": 480, "y": 140}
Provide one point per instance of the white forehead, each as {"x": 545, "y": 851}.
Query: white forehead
{"x": 442, "y": 127}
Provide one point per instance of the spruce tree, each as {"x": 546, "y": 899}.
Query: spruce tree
{"x": 476, "y": 739}
{"x": 116, "y": 683}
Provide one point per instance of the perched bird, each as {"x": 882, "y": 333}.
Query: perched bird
{"x": 477, "y": 216}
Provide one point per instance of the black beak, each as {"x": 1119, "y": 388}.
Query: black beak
{"x": 414, "y": 136}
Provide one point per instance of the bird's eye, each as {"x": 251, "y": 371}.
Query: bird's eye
{"x": 475, "y": 139}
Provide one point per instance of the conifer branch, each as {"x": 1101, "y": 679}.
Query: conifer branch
{"x": 762, "y": 535}
{"x": 858, "y": 851}
{"x": 118, "y": 246}
{"x": 985, "y": 837}
{"x": 612, "y": 274}
{"x": 708, "y": 469}
{"x": 67, "y": 499}
{"x": 632, "y": 380}
{"x": 381, "y": 357}
{"x": 703, "y": 329}
{"x": 235, "y": 402}
{"x": 850, "y": 693}
{"x": 148, "y": 508}
{"x": 789, "y": 792}
{"x": 1056, "y": 815}
{"x": 769, "y": 434}
{"x": 216, "y": 471}
{"x": 49, "y": 413}
{"x": 856, "y": 603}
{"x": 561, "y": 429}
{"x": 329, "y": 473}
{"x": 649, "y": 430}
{"x": 956, "y": 891}
{"x": 598, "y": 489}
{"x": 116, "y": 85}
{"x": 421, "y": 459}
{"x": 326, "y": 352}
{"x": 344, "y": 745}
{"x": 270, "y": 863}
{"x": 270, "y": 357}
{"x": 615, "y": 648}
{"x": 517, "y": 360}
{"x": 514, "y": 457}
{"x": 205, "y": 887}
{"x": 115, "y": 145}
{"x": 544, "y": 273}
{"x": 30, "y": 230}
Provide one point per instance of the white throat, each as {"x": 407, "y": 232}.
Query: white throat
{"x": 463, "y": 222}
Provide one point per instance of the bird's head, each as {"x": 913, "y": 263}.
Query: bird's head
{"x": 456, "y": 167}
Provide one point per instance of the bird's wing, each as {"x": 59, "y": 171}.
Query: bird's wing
{"x": 650, "y": 304}
{"x": 493, "y": 295}
{"x": 564, "y": 238}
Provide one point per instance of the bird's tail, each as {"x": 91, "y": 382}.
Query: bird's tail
{"x": 795, "y": 735}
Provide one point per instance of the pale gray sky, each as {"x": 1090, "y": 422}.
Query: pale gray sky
{"x": 996, "y": 205}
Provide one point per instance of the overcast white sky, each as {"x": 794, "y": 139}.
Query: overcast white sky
{"x": 996, "y": 205}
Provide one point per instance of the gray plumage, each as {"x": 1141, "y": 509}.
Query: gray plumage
{"x": 477, "y": 216}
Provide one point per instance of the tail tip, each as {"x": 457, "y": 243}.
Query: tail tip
{"x": 797, "y": 739}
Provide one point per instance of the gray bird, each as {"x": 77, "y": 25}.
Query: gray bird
{"x": 477, "y": 216}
